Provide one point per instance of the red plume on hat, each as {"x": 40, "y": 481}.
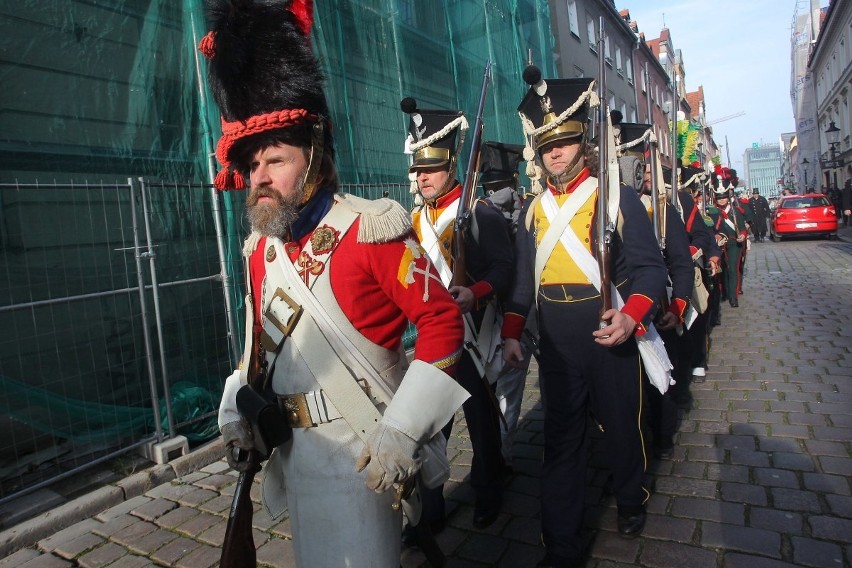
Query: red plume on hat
{"x": 262, "y": 73}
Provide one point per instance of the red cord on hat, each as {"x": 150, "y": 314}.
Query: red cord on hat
{"x": 226, "y": 179}
{"x": 303, "y": 10}
{"x": 233, "y": 131}
{"x": 207, "y": 45}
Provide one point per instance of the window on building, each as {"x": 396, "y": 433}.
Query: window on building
{"x": 611, "y": 102}
{"x": 628, "y": 67}
{"x": 618, "y": 64}
{"x": 623, "y": 110}
{"x": 607, "y": 53}
{"x": 578, "y": 72}
{"x": 632, "y": 115}
{"x": 573, "y": 21}
{"x": 643, "y": 78}
{"x": 593, "y": 36}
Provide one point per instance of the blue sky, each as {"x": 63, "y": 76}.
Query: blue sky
{"x": 739, "y": 50}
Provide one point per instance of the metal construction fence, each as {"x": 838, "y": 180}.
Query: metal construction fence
{"x": 121, "y": 313}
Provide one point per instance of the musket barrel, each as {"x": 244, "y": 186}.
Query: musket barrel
{"x": 468, "y": 195}
{"x": 603, "y": 181}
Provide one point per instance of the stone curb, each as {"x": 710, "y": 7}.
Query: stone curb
{"x": 29, "y": 532}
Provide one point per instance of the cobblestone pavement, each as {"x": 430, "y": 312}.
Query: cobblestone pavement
{"x": 760, "y": 477}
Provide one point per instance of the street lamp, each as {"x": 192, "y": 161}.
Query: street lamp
{"x": 805, "y": 163}
{"x": 832, "y": 136}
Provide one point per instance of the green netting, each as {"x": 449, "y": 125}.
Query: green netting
{"x": 94, "y": 89}
{"x": 376, "y": 52}
{"x": 102, "y": 91}
{"x": 59, "y": 416}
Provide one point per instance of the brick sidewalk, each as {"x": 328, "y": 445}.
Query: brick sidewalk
{"x": 760, "y": 477}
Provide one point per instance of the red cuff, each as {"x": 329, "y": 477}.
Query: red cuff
{"x": 481, "y": 289}
{"x": 678, "y": 307}
{"x": 513, "y": 326}
{"x": 637, "y": 306}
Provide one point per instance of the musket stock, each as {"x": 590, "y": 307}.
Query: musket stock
{"x": 238, "y": 548}
{"x": 468, "y": 196}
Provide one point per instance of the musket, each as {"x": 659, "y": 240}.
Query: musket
{"x": 423, "y": 530}
{"x": 468, "y": 195}
{"x": 269, "y": 429}
{"x": 675, "y": 158}
{"x": 658, "y": 205}
{"x": 604, "y": 229}
{"x": 238, "y": 545}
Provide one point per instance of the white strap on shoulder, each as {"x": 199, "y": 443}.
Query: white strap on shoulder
{"x": 430, "y": 239}
{"x": 559, "y": 222}
{"x": 357, "y": 409}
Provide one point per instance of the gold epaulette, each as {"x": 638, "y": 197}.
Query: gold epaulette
{"x": 382, "y": 220}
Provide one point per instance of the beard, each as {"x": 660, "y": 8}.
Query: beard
{"x": 273, "y": 219}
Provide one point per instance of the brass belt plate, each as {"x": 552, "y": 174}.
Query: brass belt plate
{"x": 296, "y": 411}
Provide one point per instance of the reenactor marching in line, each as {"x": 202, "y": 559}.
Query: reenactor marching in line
{"x": 731, "y": 231}
{"x": 499, "y": 178}
{"x": 332, "y": 281}
{"x": 637, "y": 148}
{"x": 434, "y": 140}
{"x": 707, "y": 256}
{"x": 683, "y": 325}
{"x": 324, "y": 393}
{"x": 581, "y": 364}
{"x": 740, "y": 201}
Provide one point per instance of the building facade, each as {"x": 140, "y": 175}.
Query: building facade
{"x": 787, "y": 141}
{"x": 762, "y": 166}
{"x": 830, "y": 65}
{"x": 653, "y": 89}
{"x": 576, "y": 31}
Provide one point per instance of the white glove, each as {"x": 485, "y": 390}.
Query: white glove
{"x": 237, "y": 436}
{"x": 389, "y": 457}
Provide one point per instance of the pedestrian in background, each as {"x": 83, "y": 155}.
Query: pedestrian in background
{"x": 760, "y": 215}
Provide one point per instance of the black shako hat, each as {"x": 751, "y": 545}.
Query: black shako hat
{"x": 499, "y": 162}
{"x": 691, "y": 176}
{"x": 263, "y": 74}
{"x": 688, "y": 175}
{"x": 633, "y": 140}
{"x": 720, "y": 190}
{"x": 556, "y": 109}
{"x": 433, "y": 135}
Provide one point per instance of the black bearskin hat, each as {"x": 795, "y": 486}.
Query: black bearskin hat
{"x": 263, "y": 74}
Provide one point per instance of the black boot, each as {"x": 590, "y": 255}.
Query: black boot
{"x": 631, "y": 525}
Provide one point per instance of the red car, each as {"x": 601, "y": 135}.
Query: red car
{"x": 803, "y": 215}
